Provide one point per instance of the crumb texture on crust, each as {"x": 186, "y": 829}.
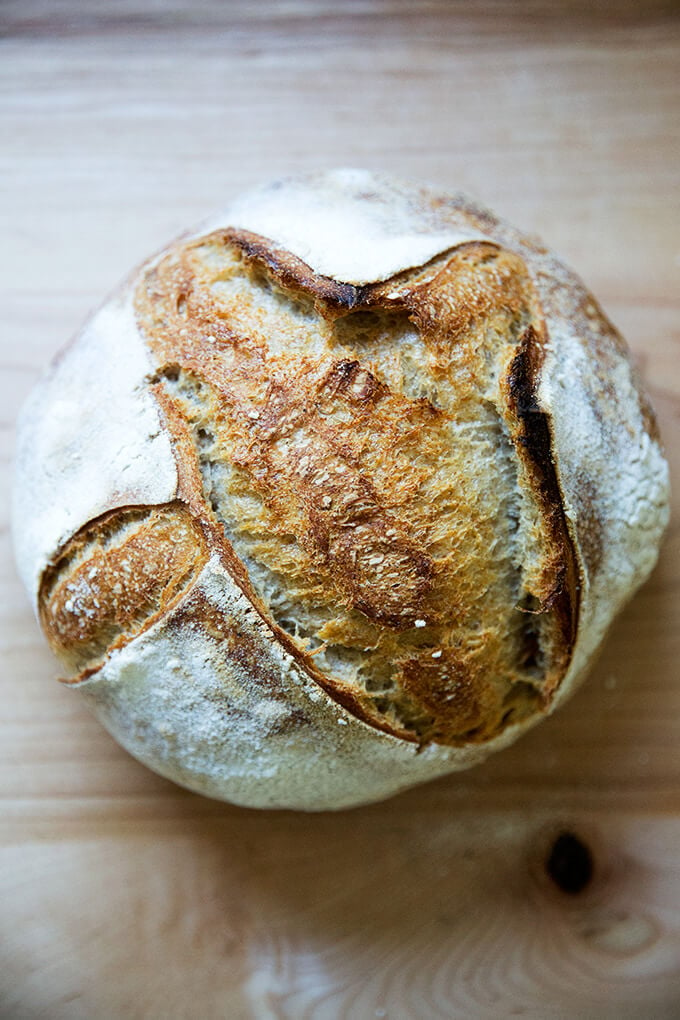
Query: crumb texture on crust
{"x": 373, "y": 472}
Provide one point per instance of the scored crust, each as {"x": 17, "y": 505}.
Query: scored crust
{"x": 394, "y": 491}
{"x": 363, "y": 510}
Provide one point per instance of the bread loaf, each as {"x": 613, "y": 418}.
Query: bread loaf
{"x": 337, "y": 494}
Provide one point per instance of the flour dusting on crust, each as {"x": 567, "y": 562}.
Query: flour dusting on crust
{"x": 211, "y": 688}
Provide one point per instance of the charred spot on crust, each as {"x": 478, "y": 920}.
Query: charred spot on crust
{"x": 535, "y": 432}
{"x": 114, "y": 577}
{"x": 533, "y": 439}
{"x": 292, "y": 272}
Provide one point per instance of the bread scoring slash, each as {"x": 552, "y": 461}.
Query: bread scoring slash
{"x": 336, "y": 495}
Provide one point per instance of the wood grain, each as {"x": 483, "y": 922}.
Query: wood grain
{"x": 122, "y": 896}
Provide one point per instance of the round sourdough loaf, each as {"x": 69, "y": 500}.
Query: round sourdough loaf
{"x": 337, "y": 494}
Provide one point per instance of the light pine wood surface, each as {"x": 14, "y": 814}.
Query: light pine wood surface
{"x": 122, "y": 896}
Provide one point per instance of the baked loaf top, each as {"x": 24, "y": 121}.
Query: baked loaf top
{"x": 337, "y": 494}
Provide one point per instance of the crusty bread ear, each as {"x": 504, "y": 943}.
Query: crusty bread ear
{"x": 116, "y": 576}
{"x": 385, "y": 534}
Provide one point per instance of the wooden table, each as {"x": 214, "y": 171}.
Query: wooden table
{"x": 123, "y": 896}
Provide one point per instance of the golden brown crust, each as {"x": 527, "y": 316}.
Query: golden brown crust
{"x": 346, "y": 469}
{"x": 340, "y": 417}
{"x": 115, "y": 577}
